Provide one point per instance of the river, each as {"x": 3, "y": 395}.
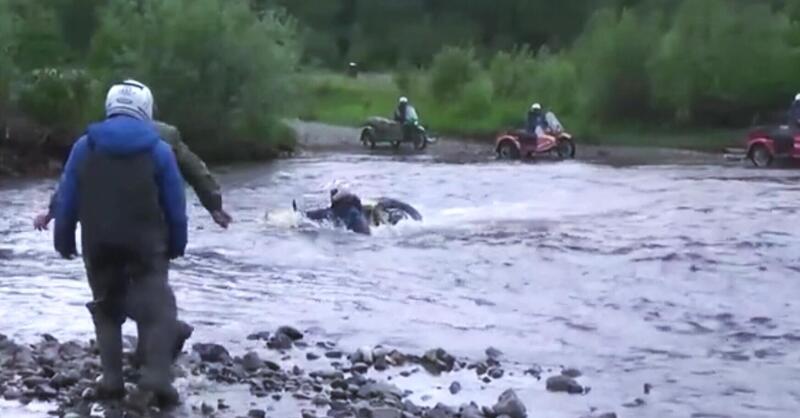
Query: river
{"x": 683, "y": 276}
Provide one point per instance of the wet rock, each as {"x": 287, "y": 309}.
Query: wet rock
{"x": 509, "y": 404}
{"x": 327, "y": 375}
{"x": 307, "y": 414}
{"x": 411, "y": 408}
{"x": 455, "y": 387}
{"x": 381, "y": 364}
{"x": 272, "y": 365}
{"x": 334, "y": 354}
{"x": 438, "y": 361}
{"x": 496, "y": 373}
{"x": 280, "y": 341}
{"x": 72, "y": 350}
{"x": 396, "y": 358}
{"x": 571, "y": 372}
{"x": 564, "y": 384}
{"x": 360, "y": 368}
{"x": 12, "y": 394}
{"x": 62, "y": 380}
{"x": 470, "y": 411}
{"x": 34, "y": 381}
{"x": 290, "y": 332}
{"x": 257, "y": 413}
{"x": 252, "y": 362}
{"x": 636, "y": 403}
{"x": 212, "y": 353}
{"x": 363, "y": 355}
{"x": 256, "y": 336}
{"x": 379, "y": 390}
{"x": 312, "y": 356}
{"x": 320, "y": 401}
{"x": 535, "y": 371}
{"x": 380, "y": 412}
{"x": 440, "y": 411}
{"x": 338, "y": 395}
{"x": 493, "y": 354}
{"x": 206, "y": 409}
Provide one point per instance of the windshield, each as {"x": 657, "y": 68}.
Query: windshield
{"x": 553, "y": 123}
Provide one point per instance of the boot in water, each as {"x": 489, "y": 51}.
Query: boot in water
{"x": 184, "y": 332}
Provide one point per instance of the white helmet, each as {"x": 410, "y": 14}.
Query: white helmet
{"x": 797, "y": 97}
{"x": 403, "y": 99}
{"x": 130, "y": 98}
{"x": 536, "y": 106}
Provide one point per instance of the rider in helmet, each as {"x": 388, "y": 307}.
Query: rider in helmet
{"x": 536, "y": 122}
{"x": 794, "y": 112}
{"x": 345, "y": 210}
{"x": 406, "y": 115}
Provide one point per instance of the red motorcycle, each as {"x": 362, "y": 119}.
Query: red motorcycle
{"x": 765, "y": 145}
{"x": 512, "y": 145}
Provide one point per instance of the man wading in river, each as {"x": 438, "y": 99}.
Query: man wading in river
{"x": 208, "y": 190}
{"x": 123, "y": 185}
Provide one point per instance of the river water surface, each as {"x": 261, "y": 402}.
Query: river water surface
{"x": 681, "y": 276}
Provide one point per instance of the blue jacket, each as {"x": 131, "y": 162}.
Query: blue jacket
{"x": 122, "y": 136}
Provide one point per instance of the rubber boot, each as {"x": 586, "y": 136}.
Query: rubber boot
{"x": 157, "y": 368}
{"x": 184, "y": 333}
{"x": 109, "y": 342}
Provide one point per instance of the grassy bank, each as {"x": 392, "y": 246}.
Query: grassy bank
{"x": 343, "y": 100}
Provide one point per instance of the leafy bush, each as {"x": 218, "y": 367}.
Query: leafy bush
{"x": 56, "y": 98}
{"x": 452, "y": 70}
{"x": 512, "y": 73}
{"x": 7, "y": 46}
{"x": 475, "y": 100}
{"x": 721, "y": 62}
{"x": 217, "y": 70}
{"x": 612, "y": 54}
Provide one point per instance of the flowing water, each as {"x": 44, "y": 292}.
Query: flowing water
{"x": 681, "y": 276}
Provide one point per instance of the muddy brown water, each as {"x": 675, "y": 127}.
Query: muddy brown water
{"x": 683, "y": 275}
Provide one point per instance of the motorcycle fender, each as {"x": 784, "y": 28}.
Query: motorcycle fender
{"x": 508, "y": 138}
{"x": 761, "y": 141}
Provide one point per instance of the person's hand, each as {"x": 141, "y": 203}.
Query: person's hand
{"x": 221, "y": 218}
{"x": 41, "y": 221}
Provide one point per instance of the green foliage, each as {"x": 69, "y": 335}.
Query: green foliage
{"x": 7, "y": 47}
{"x": 56, "y": 98}
{"x": 222, "y": 71}
{"x": 452, "y": 70}
{"x": 615, "y": 85}
{"x": 721, "y": 62}
{"x": 512, "y": 73}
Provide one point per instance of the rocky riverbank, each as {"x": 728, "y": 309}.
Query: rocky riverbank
{"x": 359, "y": 384}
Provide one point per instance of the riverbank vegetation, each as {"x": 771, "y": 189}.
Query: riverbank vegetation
{"x": 227, "y": 72}
{"x": 224, "y": 73}
{"x": 691, "y": 66}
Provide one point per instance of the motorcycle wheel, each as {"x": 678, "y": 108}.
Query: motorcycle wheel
{"x": 507, "y": 151}
{"x": 760, "y": 156}
{"x": 420, "y": 142}
{"x": 565, "y": 148}
{"x": 368, "y": 138}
